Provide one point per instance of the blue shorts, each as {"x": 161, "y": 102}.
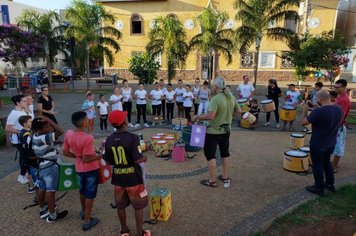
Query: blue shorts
{"x": 88, "y": 183}
{"x": 340, "y": 142}
{"x": 48, "y": 179}
{"x": 34, "y": 174}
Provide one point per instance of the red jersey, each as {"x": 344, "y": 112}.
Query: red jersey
{"x": 344, "y": 102}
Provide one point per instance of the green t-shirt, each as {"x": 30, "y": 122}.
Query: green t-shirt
{"x": 224, "y": 107}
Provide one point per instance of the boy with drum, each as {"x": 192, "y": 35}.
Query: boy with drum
{"x": 293, "y": 98}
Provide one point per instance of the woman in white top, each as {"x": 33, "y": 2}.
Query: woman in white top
{"x": 179, "y": 98}
{"x": 156, "y": 96}
{"x": 103, "y": 112}
{"x": 188, "y": 97}
{"x": 115, "y": 100}
{"x": 169, "y": 95}
{"x": 196, "y": 90}
{"x": 141, "y": 100}
{"x": 126, "y": 93}
{"x": 204, "y": 97}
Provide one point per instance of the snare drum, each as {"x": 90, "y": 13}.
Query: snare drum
{"x": 288, "y": 113}
{"x": 249, "y": 117}
{"x": 67, "y": 177}
{"x": 306, "y": 149}
{"x": 296, "y": 140}
{"x": 268, "y": 105}
{"x": 295, "y": 161}
{"x": 161, "y": 148}
{"x": 244, "y": 103}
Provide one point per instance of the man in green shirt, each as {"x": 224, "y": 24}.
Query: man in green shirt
{"x": 221, "y": 109}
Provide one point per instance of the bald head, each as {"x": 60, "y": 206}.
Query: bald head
{"x": 323, "y": 96}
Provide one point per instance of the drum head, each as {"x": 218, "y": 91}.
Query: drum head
{"x": 242, "y": 100}
{"x": 156, "y": 137}
{"x": 288, "y": 107}
{"x": 304, "y": 149}
{"x": 245, "y": 115}
{"x": 161, "y": 142}
{"x": 266, "y": 101}
{"x": 298, "y": 154}
{"x": 160, "y": 134}
{"x": 296, "y": 135}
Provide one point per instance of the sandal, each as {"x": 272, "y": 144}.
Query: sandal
{"x": 125, "y": 234}
{"x": 207, "y": 182}
{"x": 225, "y": 181}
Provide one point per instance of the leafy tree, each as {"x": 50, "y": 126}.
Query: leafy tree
{"x": 18, "y": 45}
{"x": 86, "y": 26}
{"x": 324, "y": 53}
{"x": 49, "y": 26}
{"x": 257, "y": 17}
{"x": 144, "y": 66}
{"x": 168, "y": 36}
{"x": 213, "y": 38}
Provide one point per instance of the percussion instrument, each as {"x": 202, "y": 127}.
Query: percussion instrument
{"x": 296, "y": 140}
{"x": 162, "y": 135}
{"x": 306, "y": 149}
{"x": 160, "y": 204}
{"x": 249, "y": 117}
{"x": 186, "y": 136}
{"x": 268, "y": 105}
{"x": 104, "y": 171}
{"x": 178, "y": 123}
{"x": 288, "y": 113}
{"x": 161, "y": 148}
{"x": 197, "y": 138}
{"x": 67, "y": 177}
{"x": 170, "y": 141}
{"x": 245, "y": 124}
{"x": 244, "y": 103}
{"x": 155, "y": 139}
{"x": 295, "y": 161}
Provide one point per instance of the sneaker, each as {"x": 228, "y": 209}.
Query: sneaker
{"x": 130, "y": 125}
{"x": 137, "y": 125}
{"x": 314, "y": 190}
{"x": 22, "y": 179}
{"x": 92, "y": 223}
{"x": 31, "y": 190}
{"x": 44, "y": 214}
{"x": 266, "y": 124}
{"x": 146, "y": 232}
{"x": 60, "y": 216}
{"x": 146, "y": 125}
{"x": 278, "y": 125}
{"x": 82, "y": 215}
{"x": 35, "y": 200}
{"x": 331, "y": 188}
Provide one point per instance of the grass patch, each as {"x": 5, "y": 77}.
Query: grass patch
{"x": 6, "y": 100}
{"x": 351, "y": 119}
{"x": 337, "y": 205}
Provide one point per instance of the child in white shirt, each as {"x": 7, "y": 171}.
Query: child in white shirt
{"x": 141, "y": 100}
{"x": 188, "y": 97}
{"x": 103, "y": 112}
{"x": 156, "y": 96}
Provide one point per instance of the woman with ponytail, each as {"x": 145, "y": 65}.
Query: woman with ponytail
{"x": 220, "y": 113}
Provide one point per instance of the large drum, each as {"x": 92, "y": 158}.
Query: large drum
{"x": 67, "y": 177}
{"x": 268, "y": 105}
{"x": 162, "y": 148}
{"x": 288, "y": 113}
{"x": 295, "y": 161}
{"x": 155, "y": 139}
{"x": 244, "y": 104}
{"x": 296, "y": 140}
{"x": 309, "y": 125}
{"x": 306, "y": 149}
{"x": 170, "y": 142}
{"x": 249, "y": 117}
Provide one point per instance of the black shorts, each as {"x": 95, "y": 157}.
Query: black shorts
{"x": 212, "y": 141}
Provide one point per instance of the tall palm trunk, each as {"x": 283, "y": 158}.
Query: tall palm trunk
{"x": 88, "y": 69}
{"x": 257, "y": 57}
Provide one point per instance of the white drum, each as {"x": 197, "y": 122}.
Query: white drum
{"x": 268, "y": 105}
{"x": 249, "y": 117}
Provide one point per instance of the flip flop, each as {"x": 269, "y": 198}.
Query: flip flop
{"x": 207, "y": 182}
{"x": 125, "y": 234}
{"x": 223, "y": 180}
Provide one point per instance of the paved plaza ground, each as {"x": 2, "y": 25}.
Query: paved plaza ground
{"x": 260, "y": 189}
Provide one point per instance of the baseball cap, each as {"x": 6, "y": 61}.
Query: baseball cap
{"x": 117, "y": 117}
{"x": 220, "y": 83}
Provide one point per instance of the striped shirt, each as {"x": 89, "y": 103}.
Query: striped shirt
{"x": 43, "y": 147}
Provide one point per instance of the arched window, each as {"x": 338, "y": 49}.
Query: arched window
{"x": 172, "y": 15}
{"x": 136, "y": 24}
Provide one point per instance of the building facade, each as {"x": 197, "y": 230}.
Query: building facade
{"x": 134, "y": 18}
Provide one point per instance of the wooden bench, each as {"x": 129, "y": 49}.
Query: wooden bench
{"x": 104, "y": 82}
{"x": 58, "y": 82}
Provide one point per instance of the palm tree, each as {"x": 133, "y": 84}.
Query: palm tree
{"x": 86, "y": 26}
{"x": 213, "y": 38}
{"x": 49, "y": 26}
{"x": 257, "y": 17}
{"x": 168, "y": 36}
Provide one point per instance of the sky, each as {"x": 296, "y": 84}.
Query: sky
{"x": 46, "y": 4}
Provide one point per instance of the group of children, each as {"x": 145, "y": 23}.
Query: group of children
{"x": 38, "y": 139}
{"x": 163, "y": 99}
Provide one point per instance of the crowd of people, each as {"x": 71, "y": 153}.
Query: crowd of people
{"x": 35, "y": 137}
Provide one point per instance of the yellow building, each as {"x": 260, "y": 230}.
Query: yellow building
{"x": 134, "y": 18}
